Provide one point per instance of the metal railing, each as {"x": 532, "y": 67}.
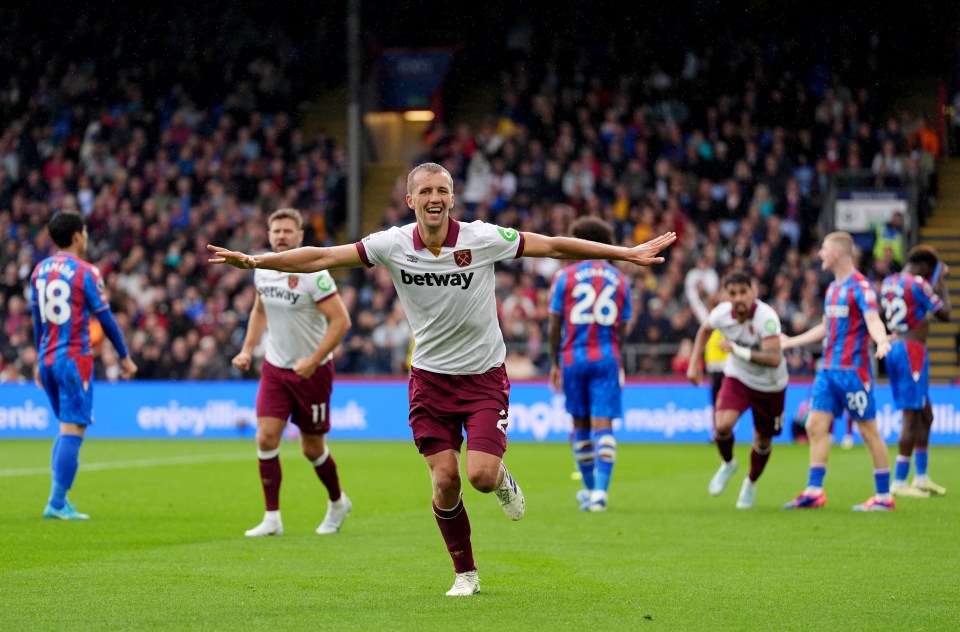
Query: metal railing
{"x": 866, "y": 180}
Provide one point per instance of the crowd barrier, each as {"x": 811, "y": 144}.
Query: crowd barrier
{"x": 657, "y": 412}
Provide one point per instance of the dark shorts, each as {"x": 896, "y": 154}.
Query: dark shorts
{"x": 767, "y": 407}
{"x": 443, "y": 406}
{"x": 68, "y": 383}
{"x": 306, "y": 402}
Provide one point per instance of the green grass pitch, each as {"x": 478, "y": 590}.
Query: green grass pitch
{"x": 165, "y": 550}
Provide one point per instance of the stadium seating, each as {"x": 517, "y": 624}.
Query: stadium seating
{"x": 731, "y": 147}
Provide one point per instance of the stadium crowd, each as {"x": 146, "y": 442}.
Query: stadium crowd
{"x": 733, "y": 147}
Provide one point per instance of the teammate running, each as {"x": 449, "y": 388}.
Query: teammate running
{"x": 755, "y": 377}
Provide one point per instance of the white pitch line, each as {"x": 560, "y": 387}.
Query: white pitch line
{"x": 139, "y": 463}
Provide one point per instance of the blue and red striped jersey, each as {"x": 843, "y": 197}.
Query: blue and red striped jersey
{"x": 593, "y": 299}
{"x": 907, "y": 299}
{"x": 847, "y": 345}
{"x": 66, "y": 290}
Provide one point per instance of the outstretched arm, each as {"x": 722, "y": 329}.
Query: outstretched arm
{"x": 304, "y": 259}
{"x": 536, "y": 245}
{"x": 814, "y": 334}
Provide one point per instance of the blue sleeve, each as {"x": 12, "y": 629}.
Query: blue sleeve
{"x": 925, "y": 296}
{"x": 37, "y": 324}
{"x": 93, "y": 291}
{"x": 112, "y": 331}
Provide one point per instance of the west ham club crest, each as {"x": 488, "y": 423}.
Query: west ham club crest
{"x": 293, "y": 281}
{"x": 463, "y": 258}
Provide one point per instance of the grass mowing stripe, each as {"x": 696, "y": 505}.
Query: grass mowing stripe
{"x": 164, "y": 549}
{"x": 138, "y": 463}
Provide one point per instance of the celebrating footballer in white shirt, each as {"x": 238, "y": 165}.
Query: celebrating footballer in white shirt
{"x": 304, "y": 320}
{"x": 443, "y": 271}
{"x": 754, "y": 377}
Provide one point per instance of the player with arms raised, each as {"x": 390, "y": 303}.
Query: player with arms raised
{"x": 845, "y": 381}
{"x": 755, "y": 377}
{"x": 444, "y": 274}
{"x": 66, "y": 291}
{"x": 301, "y": 313}
{"x": 907, "y": 298}
{"x": 589, "y": 308}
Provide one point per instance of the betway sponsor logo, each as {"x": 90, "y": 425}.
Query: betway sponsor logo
{"x": 542, "y": 419}
{"x": 280, "y": 293}
{"x": 26, "y": 417}
{"x": 430, "y": 279}
{"x": 175, "y": 419}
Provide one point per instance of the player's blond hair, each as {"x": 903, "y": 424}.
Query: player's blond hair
{"x": 842, "y": 240}
{"x": 427, "y": 167}
{"x": 286, "y": 213}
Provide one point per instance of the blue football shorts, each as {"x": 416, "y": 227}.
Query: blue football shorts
{"x": 836, "y": 390}
{"x": 908, "y": 366}
{"x": 69, "y": 387}
{"x": 592, "y": 389}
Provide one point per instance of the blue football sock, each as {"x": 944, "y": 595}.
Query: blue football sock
{"x": 66, "y": 459}
{"x": 902, "y": 469}
{"x": 606, "y": 456}
{"x": 817, "y": 473}
{"x": 583, "y": 453}
{"x": 56, "y": 494}
{"x": 881, "y": 478}
{"x": 53, "y": 453}
{"x": 920, "y": 460}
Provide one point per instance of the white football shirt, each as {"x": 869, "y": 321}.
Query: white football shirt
{"x": 449, "y": 299}
{"x": 295, "y": 325}
{"x": 762, "y": 322}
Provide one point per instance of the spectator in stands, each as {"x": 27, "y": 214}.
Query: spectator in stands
{"x": 158, "y": 170}
{"x": 702, "y": 282}
{"x": 890, "y": 236}
{"x": 887, "y": 162}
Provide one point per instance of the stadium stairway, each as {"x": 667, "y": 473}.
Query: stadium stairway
{"x": 943, "y": 233}
{"x": 379, "y": 179}
{"x": 328, "y": 113}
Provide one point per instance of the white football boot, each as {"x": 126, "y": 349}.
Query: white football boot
{"x": 336, "y": 512}
{"x": 465, "y": 585}
{"x": 271, "y": 525}
{"x": 719, "y": 481}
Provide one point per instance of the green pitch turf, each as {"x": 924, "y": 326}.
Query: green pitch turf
{"x": 164, "y": 549}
